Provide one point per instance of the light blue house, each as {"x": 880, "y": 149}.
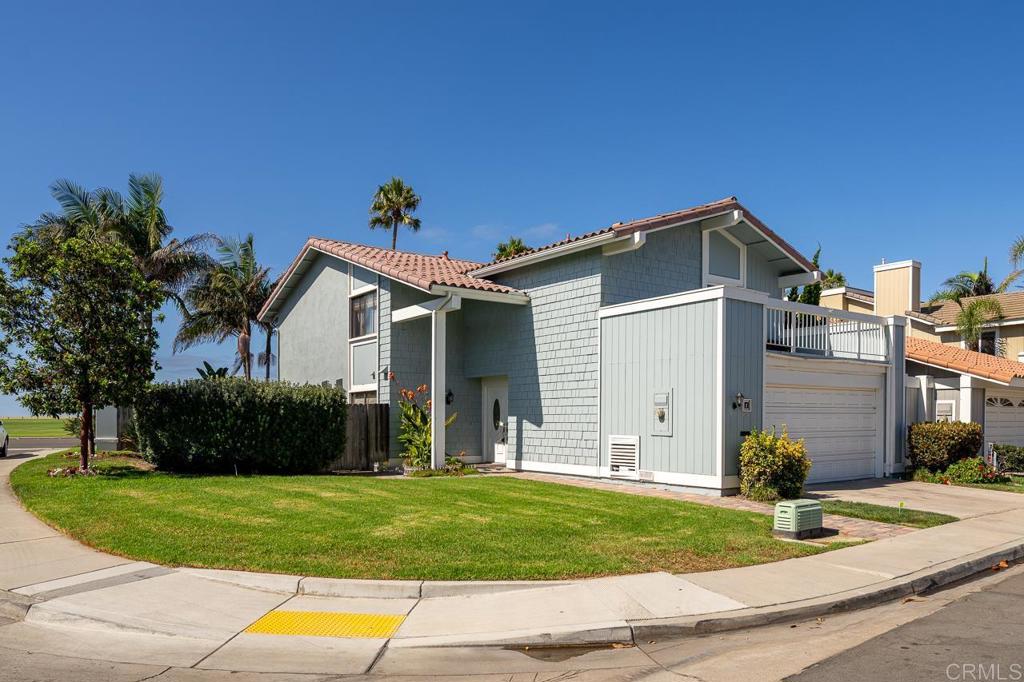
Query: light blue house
{"x": 644, "y": 350}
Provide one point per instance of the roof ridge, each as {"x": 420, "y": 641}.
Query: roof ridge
{"x": 440, "y": 256}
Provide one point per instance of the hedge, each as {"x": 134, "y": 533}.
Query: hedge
{"x": 233, "y": 425}
{"x": 936, "y": 445}
{"x": 1010, "y": 457}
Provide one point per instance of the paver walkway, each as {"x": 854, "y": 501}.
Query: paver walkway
{"x": 846, "y": 526}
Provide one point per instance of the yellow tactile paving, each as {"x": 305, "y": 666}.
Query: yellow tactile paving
{"x": 328, "y": 624}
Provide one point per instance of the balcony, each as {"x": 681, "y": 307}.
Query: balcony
{"x": 823, "y": 332}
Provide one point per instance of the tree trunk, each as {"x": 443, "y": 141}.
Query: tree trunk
{"x": 244, "y": 352}
{"x": 270, "y": 346}
{"x": 85, "y": 436}
{"x": 394, "y": 236}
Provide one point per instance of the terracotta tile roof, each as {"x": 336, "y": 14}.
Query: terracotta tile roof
{"x": 964, "y": 361}
{"x": 946, "y": 311}
{"x": 417, "y": 269}
{"x": 664, "y": 219}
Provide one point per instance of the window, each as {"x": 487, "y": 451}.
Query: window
{"x": 363, "y": 319}
{"x": 725, "y": 259}
{"x": 989, "y": 343}
{"x": 945, "y": 410}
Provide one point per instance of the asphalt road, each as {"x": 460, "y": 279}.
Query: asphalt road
{"x": 980, "y": 637}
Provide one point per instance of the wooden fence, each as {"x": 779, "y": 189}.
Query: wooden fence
{"x": 367, "y": 437}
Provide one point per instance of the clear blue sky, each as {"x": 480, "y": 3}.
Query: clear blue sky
{"x": 879, "y": 130}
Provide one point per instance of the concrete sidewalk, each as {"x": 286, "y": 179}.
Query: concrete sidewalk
{"x": 110, "y": 609}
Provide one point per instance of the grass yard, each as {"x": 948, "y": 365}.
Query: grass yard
{"x": 34, "y": 427}
{"x": 876, "y": 512}
{"x": 478, "y": 527}
{"x": 1016, "y": 485}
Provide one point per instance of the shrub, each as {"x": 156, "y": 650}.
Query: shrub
{"x": 772, "y": 466}
{"x": 233, "y": 425}
{"x": 936, "y": 445}
{"x": 1010, "y": 457}
{"x": 973, "y": 470}
{"x": 414, "y": 426}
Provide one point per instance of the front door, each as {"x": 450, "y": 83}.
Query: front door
{"x": 494, "y": 416}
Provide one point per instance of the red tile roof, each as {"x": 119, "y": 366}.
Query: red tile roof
{"x": 419, "y": 270}
{"x": 665, "y": 219}
{"x": 964, "y": 361}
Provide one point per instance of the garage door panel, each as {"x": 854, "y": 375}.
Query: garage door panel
{"x": 841, "y": 427}
{"x": 1004, "y": 418}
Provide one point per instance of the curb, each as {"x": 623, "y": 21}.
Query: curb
{"x": 14, "y": 606}
{"x": 631, "y": 631}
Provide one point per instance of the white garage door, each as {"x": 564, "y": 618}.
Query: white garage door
{"x": 1004, "y": 418}
{"x": 840, "y": 419}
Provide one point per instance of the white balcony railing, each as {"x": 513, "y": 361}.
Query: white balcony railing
{"x": 808, "y": 329}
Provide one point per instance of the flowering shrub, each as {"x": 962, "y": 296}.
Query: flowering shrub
{"x": 1010, "y": 457}
{"x": 414, "y": 425}
{"x": 772, "y": 466}
{"x": 972, "y": 470}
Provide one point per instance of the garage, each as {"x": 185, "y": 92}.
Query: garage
{"x": 1004, "y": 418}
{"x": 837, "y": 407}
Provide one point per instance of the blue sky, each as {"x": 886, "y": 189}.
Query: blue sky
{"x": 879, "y": 130}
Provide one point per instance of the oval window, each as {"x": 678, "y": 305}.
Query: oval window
{"x": 496, "y": 414}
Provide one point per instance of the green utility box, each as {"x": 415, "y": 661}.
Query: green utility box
{"x": 798, "y": 519}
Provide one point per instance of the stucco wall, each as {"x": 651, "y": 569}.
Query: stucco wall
{"x": 313, "y": 324}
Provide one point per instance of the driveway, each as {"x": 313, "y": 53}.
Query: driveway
{"x": 964, "y": 503}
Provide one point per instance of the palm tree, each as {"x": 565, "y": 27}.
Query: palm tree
{"x": 139, "y": 222}
{"x": 393, "y": 205}
{"x": 830, "y": 279}
{"x": 513, "y": 247}
{"x": 972, "y": 318}
{"x": 226, "y": 301}
{"x": 966, "y": 284}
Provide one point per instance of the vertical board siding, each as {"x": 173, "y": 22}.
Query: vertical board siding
{"x": 744, "y": 373}
{"x": 898, "y": 349}
{"x": 666, "y": 350}
{"x": 762, "y": 275}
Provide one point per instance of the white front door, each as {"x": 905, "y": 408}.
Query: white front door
{"x": 494, "y": 417}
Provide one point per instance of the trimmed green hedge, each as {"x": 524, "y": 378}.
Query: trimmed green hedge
{"x": 772, "y": 466}
{"x": 936, "y": 445}
{"x": 229, "y": 425}
{"x": 1011, "y": 457}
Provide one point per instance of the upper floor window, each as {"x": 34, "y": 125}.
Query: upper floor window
{"x": 725, "y": 259}
{"x": 988, "y": 343}
{"x": 363, "y": 318}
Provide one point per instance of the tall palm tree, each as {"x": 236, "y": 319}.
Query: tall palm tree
{"x": 139, "y": 222}
{"x": 831, "y": 279}
{"x": 393, "y": 205}
{"x": 972, "y": 318}
{"x": 513, "y": 247}
{"x": 226, "y": 301}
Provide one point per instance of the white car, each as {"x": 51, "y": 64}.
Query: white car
{"x": 5, "y": 440}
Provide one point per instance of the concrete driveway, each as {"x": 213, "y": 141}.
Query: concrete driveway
{"x": 964, "y": 503}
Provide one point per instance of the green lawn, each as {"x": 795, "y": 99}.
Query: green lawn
{"x": 1016, "y": 485}
{"x": 34, "y": 427}
{"x": 893, "y": 515}
{"x": 477, "y": 527}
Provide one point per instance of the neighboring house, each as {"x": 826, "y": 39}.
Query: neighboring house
{"x": 944, "y": 380}
{"x": 644, "y": 350}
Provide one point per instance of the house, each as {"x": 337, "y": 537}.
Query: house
{"x": 643, "y": 350}
{"x": 945, "y": 381}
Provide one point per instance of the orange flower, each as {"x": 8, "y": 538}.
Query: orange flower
{"x": 422, "y": 388}
{"x": 428, "y": 404}
{"x": 391, "y": 376}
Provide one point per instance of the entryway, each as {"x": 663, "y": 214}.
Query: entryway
{"x": 494, "y": 418}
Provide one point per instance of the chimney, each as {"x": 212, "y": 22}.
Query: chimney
{"x": 897, "y": 288}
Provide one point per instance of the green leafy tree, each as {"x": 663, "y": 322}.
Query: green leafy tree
{"x": 226, "y": 303}
{"x": 71, "y": 336}
{"x": 138, "y": 221}
{"x": 513, "y": 247}
{"x": 394, "y": 205}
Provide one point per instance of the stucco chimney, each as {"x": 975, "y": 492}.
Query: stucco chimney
{"x": 897, "y": 288}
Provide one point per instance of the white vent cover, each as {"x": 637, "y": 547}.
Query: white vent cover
{"x": 624, "y": 456}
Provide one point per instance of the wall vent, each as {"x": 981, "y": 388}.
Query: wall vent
{"x": 624, "y": 456}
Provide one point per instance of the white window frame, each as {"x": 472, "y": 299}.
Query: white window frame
{"x": 354, "y": 387}
{"x": 952, "y": 403}
{"x": 710, "y": 279}
{"x": 366, "y": 338}
{"x": 985, "y": 330}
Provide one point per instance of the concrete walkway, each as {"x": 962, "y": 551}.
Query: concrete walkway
{"x": 87, "y": 605}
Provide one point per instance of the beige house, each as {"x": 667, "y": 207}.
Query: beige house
{"x": 944, "y": 381}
